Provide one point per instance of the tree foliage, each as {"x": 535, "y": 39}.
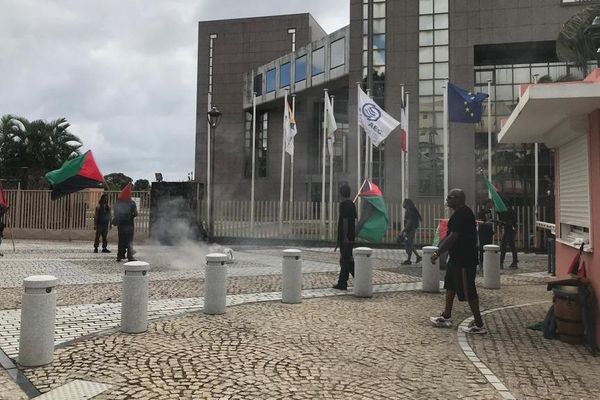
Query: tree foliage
{"x": 572, "y": 44}
{"x": 141, "y": 184}
{"x": 116, "y": 181}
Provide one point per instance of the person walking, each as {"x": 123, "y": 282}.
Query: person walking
{"x": 101, "y": 223}
{"x": 124, "y": 214}
{"x": 461, "y": 244}
{"x": 485, "y": 228}
{"x": 509, "y": 223}
{"x": 345, "y": 237}
{"x": 412, "y": 218}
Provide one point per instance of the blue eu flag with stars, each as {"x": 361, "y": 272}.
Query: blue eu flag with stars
{"x": 464, "y": 106}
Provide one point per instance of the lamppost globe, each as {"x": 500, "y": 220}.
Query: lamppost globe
{"x": 214, "y": 116}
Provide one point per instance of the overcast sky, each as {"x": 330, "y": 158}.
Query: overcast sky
{"x": 122, "y": 72}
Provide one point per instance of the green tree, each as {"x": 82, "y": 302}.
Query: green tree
{"x": 39, "y": 146}
{"x": 141, "y": 184}
{"x": 116, "y": 181}
{"x": 572, "y": 44}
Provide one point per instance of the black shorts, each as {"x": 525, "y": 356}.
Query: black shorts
{"x": 461, "y": 280}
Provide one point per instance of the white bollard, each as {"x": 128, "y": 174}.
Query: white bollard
{"x": 291, "y": 291}
{"x": 38, "y": 319}
{"x": 430, "y": 275}
{"x": 134, "y": 305}
{"x": 215, "y": 284}
{"x": 363, "y": 272}
{"x": 491, "y": 266}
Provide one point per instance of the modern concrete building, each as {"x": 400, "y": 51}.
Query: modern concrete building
{"x": 418, "y": 43}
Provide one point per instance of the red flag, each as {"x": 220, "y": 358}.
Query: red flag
{"x": 125, "y": 193}
{"x": 371, "y": 189}
{"x": 3, "y": 202}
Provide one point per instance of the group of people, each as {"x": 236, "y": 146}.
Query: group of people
{"x": 460, "y": 243}
{"x": 125, "y": 211}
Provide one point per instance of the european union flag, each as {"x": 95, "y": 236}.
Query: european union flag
{"x": 464, "y": 106}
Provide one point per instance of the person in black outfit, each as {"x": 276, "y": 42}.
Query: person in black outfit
{"x": 485, "y": 228}
{"x": 509, "y": 222}
{"x": 345, "y": 237}
{"x": 461, "y": 244}
{"x": 411, "y": 224}
{"x": 101, "y": 223}
{"x": 124, "y": 214}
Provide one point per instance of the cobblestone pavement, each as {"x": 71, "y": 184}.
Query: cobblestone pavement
{"x": 335, "y": 346}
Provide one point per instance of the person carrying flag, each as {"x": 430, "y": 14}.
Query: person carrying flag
{"x": 345, "y": 237}
{"x": 125, "y": 212}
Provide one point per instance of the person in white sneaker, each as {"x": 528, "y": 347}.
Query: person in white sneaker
{"x": 461, "y": 244}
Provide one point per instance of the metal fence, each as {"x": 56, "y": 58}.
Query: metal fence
{"x": 33, "y": 210}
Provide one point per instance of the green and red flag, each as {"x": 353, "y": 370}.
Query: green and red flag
{"x": 374, "y": 218}
{"x": 3, "y": 202}
{"x": 76, "y": 174}
{"x": 125, "y": 194}
{"x": 499, "y": 205}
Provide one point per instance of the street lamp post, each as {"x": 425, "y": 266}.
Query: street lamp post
{"x": 214, "y": 118}
{"x": 592, "y": 33}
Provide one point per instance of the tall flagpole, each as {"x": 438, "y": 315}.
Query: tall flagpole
{"x": 331, "y": 181}
{"x": 323, "y": 158}
{"x": 402, "y": 155}
{"x": 407, "y": 155}
{"x": 253, "y": 161}
{"x": 293, "y": 153}
{"x": 283, "y": 141}
{"x": 369, "y": 152}
{"x": 489, "y": 124}
{"x": 358, "y": 141}
{"x": 536, "y": 181}
{"x": 445, "y": 139}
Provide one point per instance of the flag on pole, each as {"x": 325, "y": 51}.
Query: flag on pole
{"x": 3, "y": 202}
{"x": 377, "y": 123}
{"x": 74, "y": 175}
{"x": 403, "y": 127}
{"x": 499, "y": 205}
{"x": 289, "y": 127}
{"x": 330, "y": 124}
{"x": 464, "y": 106}
{"x": 374, "y": 218}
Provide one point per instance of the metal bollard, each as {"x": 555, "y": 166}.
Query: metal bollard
{"x": 134, "y": 306}
{"x": 491, "y": 266}
{"x": 215, "y": 284}
{"x": 430, "y": 274}
{"x": 363, "y": 272}
{"x": 291, "y": 292}
{"x": 38, "y": 319}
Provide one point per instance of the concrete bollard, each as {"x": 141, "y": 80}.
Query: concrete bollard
{"x": 291, "y": 292}
{"x": 430, "y": 274}
{"x": 215, "y": 284}
{"x": 134, "y": 305}
{"x": 491, "y": 266}
{"x": 38, "y": 319}
{"x": 363, "y": 272}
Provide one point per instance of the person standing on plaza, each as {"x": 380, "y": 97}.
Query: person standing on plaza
{"x": 345, "y": 237}
{"x": 101, "y": 223}
{"x": 461, "y": 244}
{"x": 485, "y": 228}
{"x": 509, "y": 223}
{"x": 124, "y": 213}
{"x": 412, "y": 218}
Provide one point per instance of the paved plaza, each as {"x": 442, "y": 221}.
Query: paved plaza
{"x": 331, "y": 346}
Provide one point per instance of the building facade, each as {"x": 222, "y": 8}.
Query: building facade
{"x": 388, "y": 46}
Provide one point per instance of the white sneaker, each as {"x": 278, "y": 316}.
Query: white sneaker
{"x": 474, "y": 329}
{"x": 441, "y": 322}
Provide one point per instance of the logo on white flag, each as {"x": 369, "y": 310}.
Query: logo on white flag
{"x": 371, "y": 112}
{"x": 377, "y": 123}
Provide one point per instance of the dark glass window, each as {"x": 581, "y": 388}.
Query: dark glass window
{"x": 318, "y": 61}
{"x": 258, "y": 84}
{"x": 262, "y": 127}
{"x": 284, "y": 75}
{"x": 270, "y": 80}
{"x": 300, "y": 69}
{"x": 337, "y": 53}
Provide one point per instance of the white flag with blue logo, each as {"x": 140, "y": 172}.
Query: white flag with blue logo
{"x": 377, "y": 123}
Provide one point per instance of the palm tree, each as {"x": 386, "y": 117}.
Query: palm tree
{"x": 572, "y": 44}
{"x": 37, "y": 145}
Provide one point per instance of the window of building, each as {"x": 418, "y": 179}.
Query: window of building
{"x": 300, "y": 68}
{"x": 262, "y": 127}
{"x": 211, "y": 46}
{"x": 337, "y": 56}
{"x": 284, "y": 75}
{"x": 292, "y": 33}
{"x": 271, "y": 80}
{"x": 258, "y": 80}
{"x": 318, "y": 61}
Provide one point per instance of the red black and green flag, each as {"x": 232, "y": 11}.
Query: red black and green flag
{"x": 374, "y": 218}
{"x": 499, "y": 204}
{"x": 76, "y": 174}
